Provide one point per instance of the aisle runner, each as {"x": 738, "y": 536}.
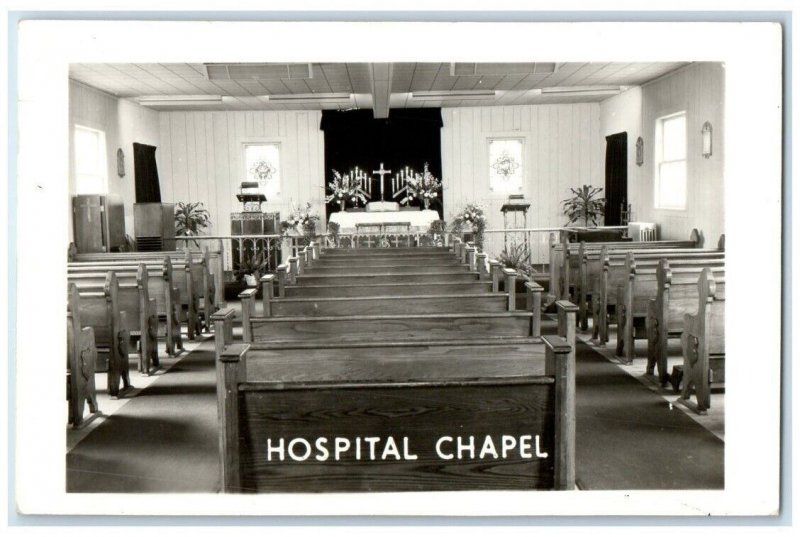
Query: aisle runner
{"x": 162, "y": 440}
{"x": 627, "y": 437}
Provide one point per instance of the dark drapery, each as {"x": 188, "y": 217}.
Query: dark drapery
{"x": 616, "y": 190}
{"x": 148, "y": 189}
{"x": 409, "y": 137}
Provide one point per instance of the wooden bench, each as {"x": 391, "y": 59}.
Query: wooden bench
{"x": 212, "y": 261}
{"x": 101, "y": 309}
{"x": 642, "y": 285}
{"x": 676, "y": 295}
{"x": 187, "y": 276}
{"x": 703, "y": 345}
{"x": 160, "y": 285}
{"x": 81, "y": 358}
{"x": 616, "y": 274}
{"x": 425, "y": 398}
{"x": 592, "y": 261}
{"x": 565, "y": 260}
{"x": 132, "y": 297}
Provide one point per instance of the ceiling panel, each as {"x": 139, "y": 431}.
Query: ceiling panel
{"x": 136, "y": 80}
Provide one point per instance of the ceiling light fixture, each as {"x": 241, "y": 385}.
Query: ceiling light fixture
{"x": 586, "y": 91}
{"x": 452, "y": 95}
{"x": 180, "y": 100}
{"x": 310, "y": 98}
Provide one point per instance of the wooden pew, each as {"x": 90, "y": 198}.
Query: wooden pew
{"x": 101, "y": 310}
{"x": 615, "y": 274}
{"x": 141, "y": 320}
{"x": 676, "y": 295}
{"x": 186, "y": 276}
{"x": 160, "y": 286}
{"x": 565, "y": 260}
{"x": 81, "y": 358}
{"x": 703, "y": 345}
{"x": 591, "y": 267}
{"x": 212, "y": 261}
{"x": 634, "y": 296}
{"x": 375, "y": 388}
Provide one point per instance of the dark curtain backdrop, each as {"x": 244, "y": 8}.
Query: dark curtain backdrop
{"x": 148, "y": 189}
{"x": 409, "y": 137}
{"x": 616, "y": 190}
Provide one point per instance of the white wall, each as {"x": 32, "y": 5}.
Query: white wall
{"x": 699, "y": 90}
{"x": 124, "y": 122}
{"x": 201, "y": 159}
{"x": 563, "y": 149}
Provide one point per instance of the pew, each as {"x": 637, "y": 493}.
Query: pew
{"x": 633, "y": 297}
{"x": 591, "y": 267}
{"x": 703, "y": 345}
{"x": 101, "y": 310}
{"x": 615, "y": 274}
{"x": 132, "y": 297}
{"x": 81, "y": 357}
{"x": 161, "y": 286}
{"x": 564, "y": 259}
{"x": 676, "y": 296}
{"x": 212, "y": 262}
{"x": 409, "y": 396}
{"x": 187, "y": 276}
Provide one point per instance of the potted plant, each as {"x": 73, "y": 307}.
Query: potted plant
{"x": 191, "y": 219}
{"x": 517, "y": 256}
{"x": 251, "y": 269}
{"x": 584, "y": 205}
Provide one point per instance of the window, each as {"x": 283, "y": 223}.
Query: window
{"x": 670, "y": 184}
{"x": 91, "y": 172}
{"x": 262, "y": 164}
{"x": 505, "y": 165}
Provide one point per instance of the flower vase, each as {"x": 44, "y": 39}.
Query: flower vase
{"x": 341, "y": 205}
{"x": 426, "y": 203}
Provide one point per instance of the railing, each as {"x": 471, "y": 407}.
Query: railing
{"x": 386, "y": 239}
{"x": 236, "y": 250}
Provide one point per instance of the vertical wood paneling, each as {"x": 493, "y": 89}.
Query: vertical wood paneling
{"x": 202, "y": 159}
{"x": 562, "y": 152}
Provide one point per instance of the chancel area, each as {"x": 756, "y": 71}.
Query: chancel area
{"x": 364, "y": 277}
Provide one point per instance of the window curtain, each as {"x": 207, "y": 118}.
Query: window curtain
{"x": 148, "y": 189}
{"x": 616, "y": 190}
{"x": 408, "y": 137}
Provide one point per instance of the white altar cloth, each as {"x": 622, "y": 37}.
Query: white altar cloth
{"x": 420, "y": 220}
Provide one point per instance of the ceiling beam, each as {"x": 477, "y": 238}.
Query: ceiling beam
{"x": 380, "y": 81}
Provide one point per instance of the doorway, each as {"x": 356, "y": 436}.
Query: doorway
{"x": 616, "y": 189}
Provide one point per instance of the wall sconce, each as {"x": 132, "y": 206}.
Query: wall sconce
{"x": 706, "y": 132}
{"x": 639, "y": 151}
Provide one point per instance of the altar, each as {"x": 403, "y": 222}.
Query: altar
{"x": 419, "y": 221}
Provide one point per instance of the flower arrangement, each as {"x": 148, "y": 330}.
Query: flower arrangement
{"x": 301, "y": 220}
{"x": 471, "y": 218}
{"x": 344, "y": 188}
{"x": 423, "y": 186}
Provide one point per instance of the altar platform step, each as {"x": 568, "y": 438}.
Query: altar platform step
{"x": 388, "y": 305}
{"x": 387, "y": 262}
{"x": 384, "y": 252}
{"x": 414, "y": 360}
{"x": 389, "y": 276}
{"x": 383, "y": 289}
{"x": 401, "y": 268}
{"x": 452, "y": 326}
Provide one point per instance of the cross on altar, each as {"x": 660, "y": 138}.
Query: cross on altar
{"x": 381, "y": 172}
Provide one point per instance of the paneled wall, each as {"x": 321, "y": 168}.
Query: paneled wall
{"x": 563, "y": 149}
{"x": 123, "y": 122}
{"x": 699, "y": 90}
{"x": 201, "y": 159}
